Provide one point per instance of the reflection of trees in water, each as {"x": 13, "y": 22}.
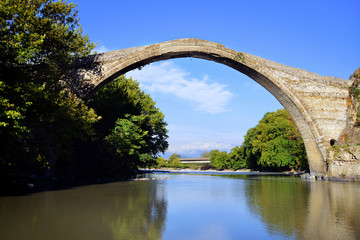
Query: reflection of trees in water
{"x": 307, "y": 210}
{"x": 122, "y": 210}
{"x": 279, "y": 202}
{"x": 140, "y": 213}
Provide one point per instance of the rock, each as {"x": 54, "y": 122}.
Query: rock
{"x": 305, "y": 176}
{"x": 308, "y": 176}
{"x": 312, "y": 177}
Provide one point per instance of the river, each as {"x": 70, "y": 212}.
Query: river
{"x": 188, "y": 206}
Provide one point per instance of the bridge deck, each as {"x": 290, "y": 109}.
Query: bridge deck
{"x": 195, "y": 160}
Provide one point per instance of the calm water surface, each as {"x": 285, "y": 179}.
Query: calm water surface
{"x": 188, "y": 206}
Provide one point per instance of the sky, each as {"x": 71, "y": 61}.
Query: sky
{"x": 208, "y": 105}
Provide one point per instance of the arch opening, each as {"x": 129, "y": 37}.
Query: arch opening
{"x": 247, "y": 65}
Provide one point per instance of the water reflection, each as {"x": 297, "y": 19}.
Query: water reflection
{"x": 109, "y": 211}
{"x": 333, "y": 211}
{"x": 141, "y": 215}
{"x": 188, "y": 207}
{"x": 307, "y": 210}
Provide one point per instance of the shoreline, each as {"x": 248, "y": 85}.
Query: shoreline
{"x": 304, "y": 175}
{"x": 211, "y": 171}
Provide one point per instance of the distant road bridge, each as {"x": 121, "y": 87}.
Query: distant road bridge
{"x": 195, "y": 160}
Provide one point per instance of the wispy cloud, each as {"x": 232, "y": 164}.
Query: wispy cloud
{"x": 101, "y": 49}
{"x": 190, "y": 140}
{"x": 196, "y": 146}
{"x": 168, "y": 78}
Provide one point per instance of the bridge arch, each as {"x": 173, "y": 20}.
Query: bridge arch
{"x": 272, "y": 76}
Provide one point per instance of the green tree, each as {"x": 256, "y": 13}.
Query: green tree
{"x": 39, "y": 120}
{"x": 274, "y": 143}
{"x": 131, "y": 132}
{"x": 279, "y": 142}
{"x": 244, "y": 156}
{"x": 174, "y": 161}
{"x": 204, "y": 154}
{"x": 127, "y": 140}
{"x": 237, "y": 158}
{"x": 160, "y": 162}
{"x": 123, "y": 98}
{"x": 220, "y": 159}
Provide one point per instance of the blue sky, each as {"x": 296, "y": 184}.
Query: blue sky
{"x": 208, "y": 105}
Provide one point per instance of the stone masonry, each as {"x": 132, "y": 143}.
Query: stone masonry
{"x": 316, "y": 103}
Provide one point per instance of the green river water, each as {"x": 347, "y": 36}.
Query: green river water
{"x": 188, "y": 206}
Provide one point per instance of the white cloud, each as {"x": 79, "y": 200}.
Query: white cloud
{"x": 190, "y": 140}
{"x": 101, "y": 49}
{"x": 168, "y": 78}
{"x": 193, "y": 147}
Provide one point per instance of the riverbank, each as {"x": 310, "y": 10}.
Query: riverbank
{"x": 302, "y": 174}
{"x": 212, "y": 171}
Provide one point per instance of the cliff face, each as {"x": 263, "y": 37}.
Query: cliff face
{"x": 344, "y": 156}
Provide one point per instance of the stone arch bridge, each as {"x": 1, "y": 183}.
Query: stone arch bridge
{"x": 316, "y": 103}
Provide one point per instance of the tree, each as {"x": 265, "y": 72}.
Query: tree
{"x": 204, "y": 154}
{"x": 243, "y": 156}
{"x": 127, "y": 140}
{"x": 39, "y": 120}
{"x": 174, "y": 161}
{"x": 237, "y": 158}
{"x": 220, "y": 160}
{"x": 279, "y": 142}
{"x": 160, "y": 162}
{"x": 274, "y": 143}
{"x": 131, "y": 132}
{"x": 123, "y": 98}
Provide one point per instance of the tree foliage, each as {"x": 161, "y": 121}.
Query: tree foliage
{"x": 174, "y": 161}
{"x": 123, "y": 99}
{"x": 205, "y": 154}
{"x": 160, "y": 162}
{"x": 279, "y": 143}
{"x": 131, "y": 132}
{"x": 219, "y": 159}
{"x": 39, "y": 121}
{"x": 46, "y": 129}
{"x": 275, "y": 143}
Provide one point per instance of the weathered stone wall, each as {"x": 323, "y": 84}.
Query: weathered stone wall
{"x": 344, "y": 162}
{"x": 316, "y": 103}
{"x": 344, "y": 156}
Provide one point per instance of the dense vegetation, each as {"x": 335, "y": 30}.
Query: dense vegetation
{"x": 172, "y": 162}
{"x": 131, "y": 132}
{"x": 44, "y": 129}
{"x": 274, "y": 144}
